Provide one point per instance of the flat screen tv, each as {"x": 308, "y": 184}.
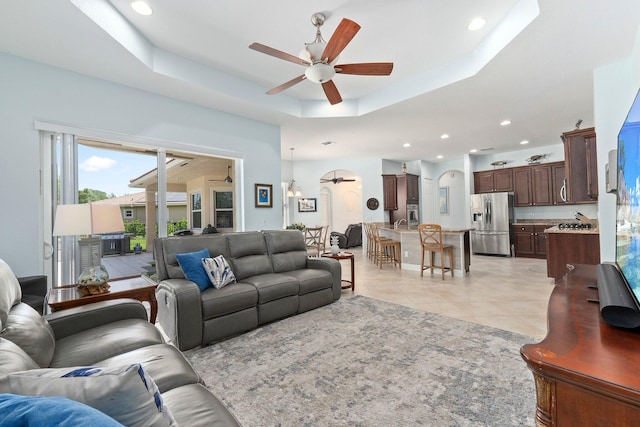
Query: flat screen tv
{"x": 628, "y": 200}
{"x": 619, "y": 284}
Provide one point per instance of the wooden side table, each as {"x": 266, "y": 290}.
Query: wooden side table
{"x": 345, "y": 255}
{"x": 136, "y": 287}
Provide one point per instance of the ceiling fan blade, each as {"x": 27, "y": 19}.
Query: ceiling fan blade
{"x": 348, "y": 180}
{"x": 278, "y": 53}
{"x": 286, "y": 85}
{"x": 366, "y": 69}
{"x": 332, "y": 93}
{"x": 346, "y": 30}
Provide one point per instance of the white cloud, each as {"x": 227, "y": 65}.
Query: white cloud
{"x": 95, "y": 164}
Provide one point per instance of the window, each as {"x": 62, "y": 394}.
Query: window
{"x": 128, "y": 213}
{"x": 223, "y": 209}
{"x": 196, "y": 210}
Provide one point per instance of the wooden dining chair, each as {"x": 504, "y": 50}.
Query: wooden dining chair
{"x": 388, "y": 250}
{"x": 431, "y": 242}
{"x": 313, "y": 239}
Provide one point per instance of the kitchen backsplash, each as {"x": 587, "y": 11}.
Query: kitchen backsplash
{"x": 556, "y": 212}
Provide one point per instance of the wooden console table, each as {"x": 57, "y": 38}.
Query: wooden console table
{"x": 586, "y": 372}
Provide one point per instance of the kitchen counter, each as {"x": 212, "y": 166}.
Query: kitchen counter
{"x": 412, "y": 250}
{"x": 556, "y": 229}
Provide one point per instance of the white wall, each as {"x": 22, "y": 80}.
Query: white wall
{"x": 615, "y": 87}
{"x": 32, "y": 91}
{"x": 457, "y": 216}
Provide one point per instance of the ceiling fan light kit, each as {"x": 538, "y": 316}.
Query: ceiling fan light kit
{"x": 228, "y": 179}
{"x": 322, "y": 56}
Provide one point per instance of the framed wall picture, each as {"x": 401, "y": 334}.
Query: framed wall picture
{"x": 444, "y": 200}
{"x": 307, "y": 205}
{"x": 264, "y": 196}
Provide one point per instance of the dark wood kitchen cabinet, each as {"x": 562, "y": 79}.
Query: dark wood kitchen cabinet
{"x": 400, "y": 191}
{"x": 530, "y": 240}
{"x": 533, "y": 185}
{"x": 390, "y": 192}
{"x": 559, "y": 184}
{"x": 493, "y": 181}
{"x": 571, "y": 247}
{"x": 581, "y": 166}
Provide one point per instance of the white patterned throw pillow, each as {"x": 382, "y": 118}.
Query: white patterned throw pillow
{"x": 218, "y": 271}
{"x": 125, "y": 393}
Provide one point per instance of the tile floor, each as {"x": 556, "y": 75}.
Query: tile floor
{"x": 505, "y": 293}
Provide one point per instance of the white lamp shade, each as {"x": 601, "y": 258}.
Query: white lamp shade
{"x": 72, "y": 220}
{"x": 106, "y": 218}
{"x": 87, "y": 218}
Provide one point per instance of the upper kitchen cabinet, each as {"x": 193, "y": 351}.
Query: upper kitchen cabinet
{"x": 533, "y": 185}
{"x": 400, "y": 189}
{"x": 390, "y": 192}
{"x": 581, "y": 165}
{"x": 493, "y": 181}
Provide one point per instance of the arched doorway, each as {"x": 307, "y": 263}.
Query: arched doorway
{"x": 341, "y": 199}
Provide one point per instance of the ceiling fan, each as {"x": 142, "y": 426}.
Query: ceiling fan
{"x": 228, "y": 179}
{"x": 337, "y": 180}
{"x": 321, "y": 57}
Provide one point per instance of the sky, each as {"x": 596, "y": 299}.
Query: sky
{"x": 110, "y": 170}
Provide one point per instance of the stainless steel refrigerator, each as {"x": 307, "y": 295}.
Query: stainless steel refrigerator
{"x": 491, "y": 217}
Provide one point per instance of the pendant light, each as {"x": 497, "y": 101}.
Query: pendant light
{"x": 293, "y": 190}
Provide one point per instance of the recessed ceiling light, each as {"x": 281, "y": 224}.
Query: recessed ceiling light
{"x": 142, "y": 7}
{"x": 444, "y": 136}
{"x": 440, "y": 156}
{"x": 476, "y": 23}
{"x": 473, "y": 150}
{"x": 524, "y": 142}
{"x": 505, "y": 123}
{"x": 406, "y": 145}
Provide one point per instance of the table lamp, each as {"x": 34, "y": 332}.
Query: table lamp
{"x": 88, "y": 219}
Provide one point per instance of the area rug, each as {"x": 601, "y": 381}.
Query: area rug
{"x": 365, "y": 362}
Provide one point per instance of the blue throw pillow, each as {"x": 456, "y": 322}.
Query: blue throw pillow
{"x": 19, "y": 411}
{"x": 191, "y": 264}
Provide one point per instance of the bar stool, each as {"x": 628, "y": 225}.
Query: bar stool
{"x": 431, "y": 241}
{"x": 388, "y": 250}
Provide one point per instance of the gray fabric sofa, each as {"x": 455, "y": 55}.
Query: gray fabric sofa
{"x": 105, "y": 334}
{"x": 275, "y": 279}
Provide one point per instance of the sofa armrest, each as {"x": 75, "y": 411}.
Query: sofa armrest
{"x": 180, "y": 312}
{"x": 332, "y": 266}
{"x": 78, "y": 319}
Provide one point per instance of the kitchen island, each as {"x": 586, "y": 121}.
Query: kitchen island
{"x": 412, "y": 251}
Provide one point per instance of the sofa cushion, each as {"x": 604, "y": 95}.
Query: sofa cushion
{"x": 95, "y": 344}
{"x": 194, "y": 406}
{"x": 163, "y": 362}
{"x": 248, "y": 254}
{"x": 125, "y": 393}
{"x": 191, "y": 264}
{"x": 31, "y": 332}
{"x": 10, "y": 292}
{"x": 273, "y": 286}
{"x": 12, "y": 359}
{"x": 19, "y": 411}
{"x": 287, "y": 249}
{"x": 312, "y": 280}
{"x": 230, "y": 299}
{"x": 218, "y": 271}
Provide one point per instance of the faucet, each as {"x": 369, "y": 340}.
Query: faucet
{"x": 398, "y": 222}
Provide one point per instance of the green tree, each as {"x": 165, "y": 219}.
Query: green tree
{"x": 88, "y": 195}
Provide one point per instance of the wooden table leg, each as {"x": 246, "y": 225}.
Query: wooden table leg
{"x": 154, "y": 306}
